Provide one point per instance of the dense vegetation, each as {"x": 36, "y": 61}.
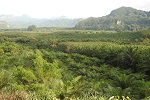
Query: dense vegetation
{"x": 121, "y": 19}
{"x": 78, "y": 65}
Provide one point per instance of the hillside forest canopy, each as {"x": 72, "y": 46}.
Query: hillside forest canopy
{"x": 121, "y": 19}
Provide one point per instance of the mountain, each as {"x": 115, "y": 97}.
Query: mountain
{"x": 60, "y": 22}
{"x": 128, "y": 12}
{"x": 24, "y": 21}
{"x": 4, "y": 25}
{"x": 121, "y": 19}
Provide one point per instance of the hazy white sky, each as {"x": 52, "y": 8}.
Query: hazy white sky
{"x": 68, "y": 8}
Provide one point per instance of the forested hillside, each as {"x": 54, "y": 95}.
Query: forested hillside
{"x": 74, "y": 65}
{"x": 121, "y": 19}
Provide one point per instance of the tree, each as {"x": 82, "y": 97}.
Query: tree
{"x": 31, "y": 28}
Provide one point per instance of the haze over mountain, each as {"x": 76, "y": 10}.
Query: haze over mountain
{"x": 24, "y": 21}
{"x": 121, "y": 19}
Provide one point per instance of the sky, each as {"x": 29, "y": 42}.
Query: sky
{"x": 68, "y": 8}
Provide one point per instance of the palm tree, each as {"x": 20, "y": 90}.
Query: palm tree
{"x": 124, "y": 84}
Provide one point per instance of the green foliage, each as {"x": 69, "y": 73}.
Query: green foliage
{"x": 71, "y": 64}
{"x": 39, "y": 64}
{"x": 24, "y": 76}
{"x": 72, "y": 88}
{"x": 31, "y": 28}
{"x": 147, "y": 98}
{"x": 5, "y": 78}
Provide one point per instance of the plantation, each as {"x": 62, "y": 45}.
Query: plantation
{"x": 74, "y": 64}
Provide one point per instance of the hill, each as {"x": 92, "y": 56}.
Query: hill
{"x": 24, "y": 21}
{"x": 3, "y": 24}
{"x": 121, "y": 19}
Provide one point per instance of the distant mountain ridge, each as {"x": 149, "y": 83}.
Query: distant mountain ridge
{"x": 3, "y": 25}
{"x": 121, "y": 19}
{"x": 24, "y": 21}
